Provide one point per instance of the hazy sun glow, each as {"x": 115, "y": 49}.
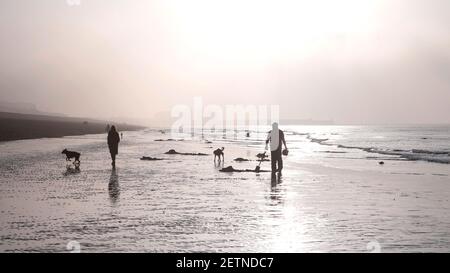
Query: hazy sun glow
{"x": 268, "y": 28}
{"x": 351, "y": 61}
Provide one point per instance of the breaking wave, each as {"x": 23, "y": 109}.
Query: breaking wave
{"x": 442, "y": 157}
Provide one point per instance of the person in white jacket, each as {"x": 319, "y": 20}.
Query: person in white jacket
{"x": 276, "y": 140}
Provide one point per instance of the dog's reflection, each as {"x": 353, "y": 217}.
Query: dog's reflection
{"x": 72, "y": 169}
{"x": 219, "y": 164}
{"x": 113, "y": 187}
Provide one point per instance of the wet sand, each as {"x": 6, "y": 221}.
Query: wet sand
{"x": 184, "y": 204}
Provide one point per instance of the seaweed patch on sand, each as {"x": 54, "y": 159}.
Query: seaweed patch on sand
{"x": 147, "y": 158}
{"x": 230, "y": 169}
{"x": 173, "y": 152}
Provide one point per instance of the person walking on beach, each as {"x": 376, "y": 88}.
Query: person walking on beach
{"x": 276, "y": 139}
{"x": 113, "y": 144}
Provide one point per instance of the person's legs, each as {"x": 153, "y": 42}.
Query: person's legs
{"x": 273, "y": 159}
{"x": 113, "y": 158}
{"x": 280, "y": 165}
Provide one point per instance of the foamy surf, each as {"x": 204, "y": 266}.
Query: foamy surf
{"x": 414, "y": 154}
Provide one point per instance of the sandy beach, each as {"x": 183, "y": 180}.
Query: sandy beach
{"x": 227, "y": 127}
{"x": 329, "y": 199}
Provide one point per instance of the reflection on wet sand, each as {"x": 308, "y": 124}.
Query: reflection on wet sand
{"x": 113, "y": 187}
{"x": 219, "y": 164}
{"x": 276, "y": 180}
{"x": 275, "y": 190}
{"x": 71, "y": 170}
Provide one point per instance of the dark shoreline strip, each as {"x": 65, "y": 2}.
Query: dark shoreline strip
{"x": 23, "y": 126}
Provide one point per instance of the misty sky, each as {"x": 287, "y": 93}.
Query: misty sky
{"x": 352, "y": 61}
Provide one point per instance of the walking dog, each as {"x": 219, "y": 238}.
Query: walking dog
{"x": 70, "y": 155}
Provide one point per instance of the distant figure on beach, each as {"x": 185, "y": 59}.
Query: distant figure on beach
{"x": 121, "y": 135}
{"x": 276, "y": 139}
{"x": 113, "y": 144}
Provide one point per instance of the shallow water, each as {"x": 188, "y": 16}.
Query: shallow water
{"x": 325, "y": 202}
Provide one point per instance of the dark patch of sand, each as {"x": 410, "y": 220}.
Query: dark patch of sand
{"x": 147, "y": 158}
{"x": 230, "y": 169}
{"x": 240, "y": 159}
{"x": 173, "y": 152}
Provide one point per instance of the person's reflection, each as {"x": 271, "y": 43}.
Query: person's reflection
{"x": 113, "y": 187}
{"x": 275, "y": 192}
{"x": 276, "y": 180}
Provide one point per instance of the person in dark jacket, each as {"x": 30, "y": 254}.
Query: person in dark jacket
{"x": 113, "y": 144}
